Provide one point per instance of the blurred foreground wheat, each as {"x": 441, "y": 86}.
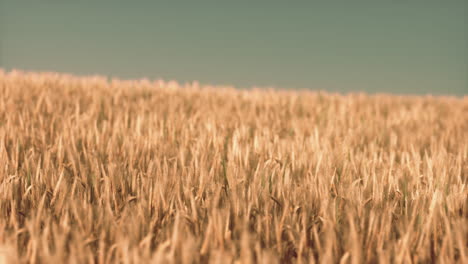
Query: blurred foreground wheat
{"x": 97, "y": 171}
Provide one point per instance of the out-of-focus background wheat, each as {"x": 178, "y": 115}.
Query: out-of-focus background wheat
{"x": 99, "y": 171}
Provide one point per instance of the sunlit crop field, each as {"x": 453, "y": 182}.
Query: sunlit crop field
{"x": 101, "y": 171}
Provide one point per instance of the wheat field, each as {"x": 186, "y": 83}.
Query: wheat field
{"x": 110, "y": 171}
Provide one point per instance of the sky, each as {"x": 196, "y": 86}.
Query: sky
{"x": 380, "y": 46}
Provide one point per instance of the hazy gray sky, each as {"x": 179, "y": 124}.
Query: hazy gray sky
{"x": 399, "y": 46}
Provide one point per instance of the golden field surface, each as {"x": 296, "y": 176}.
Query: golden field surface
{"x": 107, "y": 171}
